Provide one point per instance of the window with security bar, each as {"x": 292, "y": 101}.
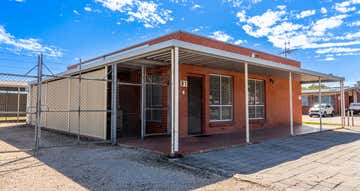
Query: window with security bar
{"x": 154, "y": 97}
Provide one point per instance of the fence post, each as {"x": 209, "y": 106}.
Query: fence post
{"x": 79, "y": 104}
{"x": 114, "y": 104}
{"x": 18, "y": 105}
{"x": 38, "y": 105}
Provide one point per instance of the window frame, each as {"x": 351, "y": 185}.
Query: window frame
{"x": 150, "y": 107}
{"x": 259, "y": 105}
{"x": 220, "y": 105}
{"x": 325, "y": 99}
{"x": 303, "y": 97}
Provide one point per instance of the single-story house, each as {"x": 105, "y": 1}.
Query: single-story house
{"x": 330, "y": 95}
{"x": 13, "y": 101}
{"x": 179, "y": 85}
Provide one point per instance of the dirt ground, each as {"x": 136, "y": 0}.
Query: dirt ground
{"x": 96, "y": 167}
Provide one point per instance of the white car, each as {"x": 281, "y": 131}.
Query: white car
{"x": 323, "y": 110}
{"x": 355, "y": 107}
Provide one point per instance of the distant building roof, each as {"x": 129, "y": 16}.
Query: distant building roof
{"x": 20, "y": 84}
{"x": 327, "y": 90}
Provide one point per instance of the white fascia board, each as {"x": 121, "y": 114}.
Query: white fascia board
{"x": 251, "y": 60}
{"x": 123, "y": 56}
{"x": 139, "y": 51}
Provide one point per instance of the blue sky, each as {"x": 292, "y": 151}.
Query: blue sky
{"x": 325, "y": 34}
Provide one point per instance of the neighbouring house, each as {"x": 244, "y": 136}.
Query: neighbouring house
{"x": 13, "y": 101}
{"x": 330, "y": 95}
{"x": 176, "y": 87}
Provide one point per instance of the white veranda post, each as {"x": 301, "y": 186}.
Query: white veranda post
{"x": 342, "y": 103}
{"x": 174, "y": 100}
{"x": 291, "y": 105}
{"x": 247, "y": 103}
{"x": 320, "y": 107}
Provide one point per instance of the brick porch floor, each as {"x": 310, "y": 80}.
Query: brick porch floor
{"x": 203, "y": 143}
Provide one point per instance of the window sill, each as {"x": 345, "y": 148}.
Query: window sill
{"x": 262, "y": 120}
{"x": 221, "y": 123}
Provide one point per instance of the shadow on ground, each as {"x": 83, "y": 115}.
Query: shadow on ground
{"x": 88, "y": 167}
{"x": 253, "y": 158}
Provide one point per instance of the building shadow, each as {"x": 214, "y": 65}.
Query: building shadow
{"x": 93, "y": 166}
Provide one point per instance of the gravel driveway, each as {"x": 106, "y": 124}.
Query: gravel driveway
{"x": 321, "y": 161}
{"x": 97, "y": 167}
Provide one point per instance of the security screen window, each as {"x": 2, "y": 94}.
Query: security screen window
{"x": 256, "y": 99}
{"x": 221, "y": 98}
{"x": 154, "y": 97}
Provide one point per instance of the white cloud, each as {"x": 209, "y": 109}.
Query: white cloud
{"x": 76, "y": 12}
{"x": 88, "y": 9}
{"x": 333, "y": 50}
{"x": 19, "y": 1}
{"x": 320, "y": 27}
{"x": 241, "y": 15}
{"x": 329, "y": 58}
{"x": 221, "y": 36}
{"x": 348, "y": 36}
{"x": 323, "y": 10}
{"x": 269, "y": 18}
{"x": 352, "y": 24}
{"x": 196, "y": 6}
{"x": 306, "y": 13}
{"x": 238, "y": 42}
{"x": 331, "y": 44}
{"x": 149, "y": 13}
{"x": 197, "y": 29}
{"x": 260, "y": 25}
{"x": 346, "y": 6}
{"x": 30, "y": 44}
{"x": 281, "y": 7}
{"x": 239, "y": 3}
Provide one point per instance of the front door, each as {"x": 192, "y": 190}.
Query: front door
{"x": 194, "y": 104}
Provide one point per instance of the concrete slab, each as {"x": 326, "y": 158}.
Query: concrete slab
{"x": 320, "y": 161}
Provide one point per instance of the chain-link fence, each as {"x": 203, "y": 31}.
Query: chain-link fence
{"x": 13, "y": 99}
{"x": 76, "y": 106}
{"x": 54, "y": 109}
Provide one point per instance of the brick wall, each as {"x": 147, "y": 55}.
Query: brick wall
{"x": 277, "y": 102}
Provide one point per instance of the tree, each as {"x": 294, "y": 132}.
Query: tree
{"x": 316, "y": 86}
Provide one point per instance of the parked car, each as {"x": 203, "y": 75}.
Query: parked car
{"x": 323, "y": 110}
{"x": 355, "y": 107}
